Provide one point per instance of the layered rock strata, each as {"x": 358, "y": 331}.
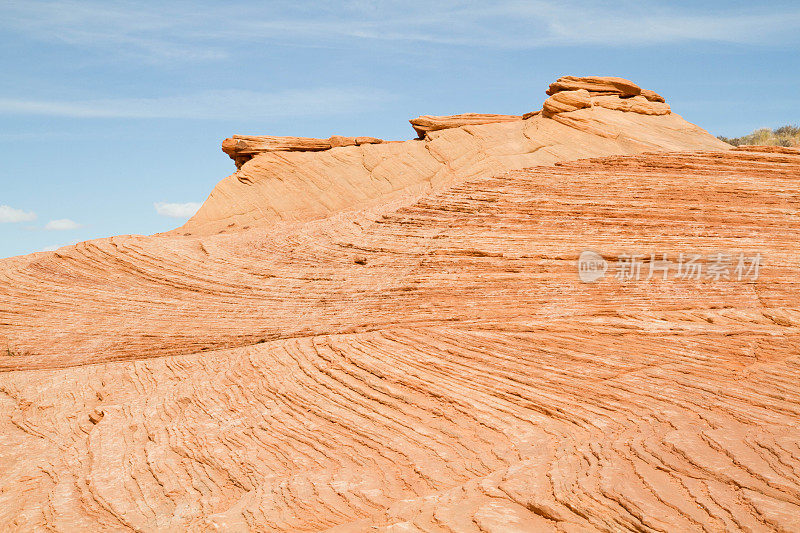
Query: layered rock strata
{"x": 427, "y": 123}
{"x": 432, "y": 364}
{"x": 595, "y": 84}
{"x": 242, "y": 148}
{"x": 571, "y": 93}
{"x": 299, "y": 179}
{"x": 358, "y": 335}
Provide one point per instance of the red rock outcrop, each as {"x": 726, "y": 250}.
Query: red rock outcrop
{"x": 571, "y": 94}
{"x": 652, "y": 95}
{"x": 566, "y": 101}
{"x": 427, "y": 123}
{"x": 291, "y": 179}
{"x": 768, "y": 149}
{"x": 459, "y": 375}
{"x": 595, "y": 84}
{"x": 429, "y": 361}
{"x": 634, "y": 104}
{"x": 242, "y": 148}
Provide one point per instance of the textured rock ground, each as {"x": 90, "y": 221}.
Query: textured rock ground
{"x": 429, "y": 363}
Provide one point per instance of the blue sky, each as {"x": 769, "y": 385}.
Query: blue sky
{"x": 112, "y": 113}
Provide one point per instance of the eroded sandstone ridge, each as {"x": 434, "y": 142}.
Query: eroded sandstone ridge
{"x": 242, "y": 148}
{"x": 428, "y": 363}
{"x": 299, "y": 179}
{"x": 426, "y": 123}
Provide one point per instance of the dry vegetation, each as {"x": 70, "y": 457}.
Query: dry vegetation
{"x": 783, "y": 136}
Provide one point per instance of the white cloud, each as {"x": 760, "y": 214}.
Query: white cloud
{"x": 10, "y": 215}
{"x": 206, "y": 31}
{"x": 57, "y": 247}
{"x": 227, "y": 104}
{"x": 63, "y": 224}
{"x": 177, "y": 210}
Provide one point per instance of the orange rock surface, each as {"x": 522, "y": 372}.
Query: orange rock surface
{"x": 652, "y": 95}
{"x": 242, "y": 148}
{"x": 301, "y": 179}
{"x": 427, "y": 123}
{"x": 429, "y": 360}
{"x": 597, "y": 84}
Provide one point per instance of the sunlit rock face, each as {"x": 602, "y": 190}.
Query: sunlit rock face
{"x": 301, "y": 179}
{"x": 396, "y": 337}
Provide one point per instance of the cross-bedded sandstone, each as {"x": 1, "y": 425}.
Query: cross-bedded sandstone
{"x": 428, "y": 360}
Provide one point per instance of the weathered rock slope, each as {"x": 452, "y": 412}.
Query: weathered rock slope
{"x": 299, "y": 179}
{"x": 433, "y": 367}
{"x": 428, "y": 363}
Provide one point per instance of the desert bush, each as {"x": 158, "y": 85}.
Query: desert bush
{"x": 783, "y": 136}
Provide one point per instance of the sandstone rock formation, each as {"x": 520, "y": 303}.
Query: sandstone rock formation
{"x": 427, "y": 123}
{"x": 652, "y": 95}
{"x": 570, "y": 94}
{"x": 635, "y": 104}
{"x": 768, "y": 149}
{"x": 429, "y": 361}
{"x": 566, "y": 101}
{"x": 291, "y": 179}
{"x": 595, "y": 84}
{"x": 242, "y": 148}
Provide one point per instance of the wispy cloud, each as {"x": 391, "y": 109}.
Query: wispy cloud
{"x": 57, "y": 246}
{"x": 228, "y": 104}
{"x": 211, "y": 30}
{"x": 9, "y": 214}
{"x": 171, "y": 31}
{"x": 177, "y": 210}
{"x": 62, "y": 224}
